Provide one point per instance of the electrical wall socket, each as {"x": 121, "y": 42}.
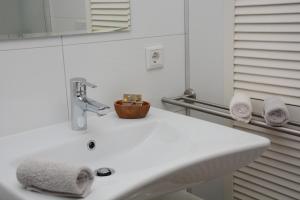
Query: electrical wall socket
{"x": 155, "y": 57}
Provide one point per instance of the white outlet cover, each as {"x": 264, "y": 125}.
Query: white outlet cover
{"x": 155, "y": 57}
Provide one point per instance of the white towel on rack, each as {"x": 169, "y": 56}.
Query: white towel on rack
{"x": 241, "y": 108}
{"x": 275, "y": 112}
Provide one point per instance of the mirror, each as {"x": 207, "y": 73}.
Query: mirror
{"x": 43, "y": 18}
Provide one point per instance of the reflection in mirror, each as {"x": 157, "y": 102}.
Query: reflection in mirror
{"x": 38, "y": 18}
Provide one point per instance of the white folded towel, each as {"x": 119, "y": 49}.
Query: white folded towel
{"x": 55, "y": 178}
{"x": 275, "y": 112}
{"x": 241, "y": 108}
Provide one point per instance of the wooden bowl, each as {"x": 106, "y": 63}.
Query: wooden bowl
{"x": 128, "y": 111}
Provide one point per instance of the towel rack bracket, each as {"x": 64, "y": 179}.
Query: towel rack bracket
{"x": 190, "y": 93}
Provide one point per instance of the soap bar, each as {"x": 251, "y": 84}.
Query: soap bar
{"x": 132, "y": 98}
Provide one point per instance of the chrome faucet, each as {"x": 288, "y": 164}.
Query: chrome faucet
{"x": 80, "y": 104}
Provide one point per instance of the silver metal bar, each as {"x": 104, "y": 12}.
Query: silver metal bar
{"x": 187, "y": 48}
{"x": 187, "y": 99}
{"x": 198, "y": 108}
{"x": 225, "y": 114}
{"x": 187, "y": 43}
{"x": 204, "y": 103}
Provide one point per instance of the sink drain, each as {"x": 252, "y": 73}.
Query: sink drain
{"x": 91, "y": 145}
{"x": 103, "y": 172}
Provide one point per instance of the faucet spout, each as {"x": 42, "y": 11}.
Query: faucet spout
{"x": 97, "y": 107}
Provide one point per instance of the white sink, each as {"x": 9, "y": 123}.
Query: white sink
{"x": 162, "y": 153}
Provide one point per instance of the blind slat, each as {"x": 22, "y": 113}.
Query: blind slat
{"x": 262, "y": 190}
{"x": 253, "y": 194}
{"x": 263, "y": 19}
{"x": 259, "y": 181}
{"x": 275, "y": 171}
{"x": 267, "y": 28}
{"x": 264, "y": 2}
{"x": 285, "y": 150}
{"x": 265, "y": 93}
{"x": 240, "y": 196}
{"x": 268, "y": 9}
{"x": 273, "y": 81}
{"x": 282, "y": 158}
{"x": 110, "y": 12}
{"x": 120, "y": 18}
{"x": 269, "y": 63}
{"x": 285, "y": 167}
{"x": 273, "y": 46}
{"x": 110, "y": 1}
{"x": 110, "y": 6}
{"x": 275, "y": 55}
{"x": 110, "y": 24}
{"x": 292, "y": 92}
{"x": 264, "y": 71}
{"x": 256, "y": 176}
{"x": 268, "y": 37}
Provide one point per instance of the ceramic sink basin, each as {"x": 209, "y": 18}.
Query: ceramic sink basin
{"x": 162, "y": 153}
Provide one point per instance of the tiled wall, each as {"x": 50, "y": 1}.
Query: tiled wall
{"x": 34, "y": 74}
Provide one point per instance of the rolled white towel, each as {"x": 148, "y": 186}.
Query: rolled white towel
{"x": 275, "y": 112}
{"x": 55, "y": 178}
{"x": 241, "y": 108}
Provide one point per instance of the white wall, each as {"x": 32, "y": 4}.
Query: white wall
{"x": 207, "y": 49}
{"x": 209, "y": 57}
{"x": 34, "y": 74}
{"x": 208, "y": 38}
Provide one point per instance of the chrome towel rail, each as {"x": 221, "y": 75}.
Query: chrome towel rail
{"x": 223, "y": 111}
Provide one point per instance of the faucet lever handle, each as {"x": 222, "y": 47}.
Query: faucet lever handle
{"x": 80, "y": 82}
{"x": 91, "y": 85}
{"x": 78, "y": 86}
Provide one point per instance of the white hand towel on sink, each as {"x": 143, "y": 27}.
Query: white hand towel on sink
{"x": 241, "y": 108}
{"x": 275, "y": 112}
{"x": 55, "y": 178}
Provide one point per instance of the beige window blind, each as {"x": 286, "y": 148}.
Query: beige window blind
{"x": 267, "y": 62}
{"x": 267, "y": 48}
{"x": 109, "y": 15}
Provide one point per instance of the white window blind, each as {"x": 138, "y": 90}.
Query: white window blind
{"x": 109, "y": 15}
{"x": 267, "y": 49}
{"x": 267, "y": 62}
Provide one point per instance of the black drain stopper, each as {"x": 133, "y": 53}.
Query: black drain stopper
{"x": 102, "y": 172}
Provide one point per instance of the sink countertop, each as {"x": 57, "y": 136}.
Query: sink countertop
{"x": 164, "y": 151}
